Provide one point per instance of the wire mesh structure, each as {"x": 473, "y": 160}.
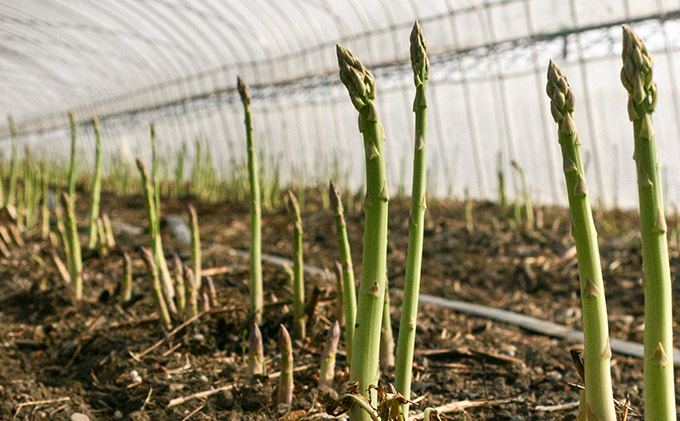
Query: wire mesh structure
{"x": 175, "y": 63}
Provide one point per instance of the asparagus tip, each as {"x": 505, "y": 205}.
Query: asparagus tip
{"x": 560, "y": 93}
{"x": 243, "y": 90}
{"x": 356, "y": 78}
{"x": 334, "y": 195}
{"x": 636, "y": 75}
{"x": 420, "y": 63}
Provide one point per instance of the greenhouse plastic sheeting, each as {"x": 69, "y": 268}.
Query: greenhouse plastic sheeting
{"x": 175, "y": 63}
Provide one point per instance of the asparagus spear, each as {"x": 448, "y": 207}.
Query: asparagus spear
{"x": 255, "y": 210}
{"x": 528, "y": 207}
{"x": 76, "y": 262}
{"x": 150, "y": 261}
{"x": 161, "y": 264}
{"x": 327, "y": 369}
{"x": 286, "y": 380}
{"x": 72, "y": 169}
{"x": 597, "y": 353}
{"x": 13, "y": 163}
{"x": 255, "y": 352}
{"x": 636, "y": 76}
{"x": 349, "y": 290}
{"x": 126, "y": 288}
{"x": 298, "y": 270}
{"x": 365, "y": 348}
{"x": 409, "y": 312}
{"x": 96, "y": 185}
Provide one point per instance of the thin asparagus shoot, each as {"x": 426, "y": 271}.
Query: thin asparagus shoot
{"x": 161, "y": 264}
{"x": 255, "y": 209}
{"x": 597, "y": 353}
{"x": 150, "y": 261}
{"x": 366, "y": 343}
{"x": 255, "y": 352}
{"x": 386, "y": 356}
{"x": 73, "y": 167}
{"x": 13, "y": 164}
{"x": 195, "y": 248}
{"x": 349, "y": 289}
{"x": 285, "y": 395}
{"x": 298, "y": 270}
{"x": 126, "y": 288}
{"x": 636, "y": 76}
{"x": 96, "y": 185}
{"x": 528, "y": 207}
{"x": 409, "y": 312}
{"x": 76, "y": 262}
{"x": 340, "y": 302}
{"x": 327, "y": 369}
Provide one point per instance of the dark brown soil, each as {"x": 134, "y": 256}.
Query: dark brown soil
{"x": 52, "y": 347}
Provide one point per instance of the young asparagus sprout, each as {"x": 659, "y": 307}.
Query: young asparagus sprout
{"x": 386, "y": 356}
{"x": 96, "y": 186}
{"x": 327, "y": 370}
{"x": 178, "y": 276}
{"x": 255, "y": 210}
{"x": 409, "y": 313}
{"x": 597, "y": 353}
{"x": 298, "y": 270}
{"x": 161, "y": 264}
{"x": 209, "y": 287}
{"x": 126, "y": 288}
{"x": 108, "y": 230}
{"x": 285, "y": 395}
{"x": 205, "y": 300}
{"x": 101, "y": 236}
{"x": 528, "y": 207}
{"x": 502, "y": 200}
{"x": 195, "y": 247}
{"x": 340, "y": 303}
{"x": 45, "y": 204}
{"x": 192, "y": 291}
{"x": 76, "y": 262}
{"x": 636, "y": 76}
{"x": 255, "y": 352}
{"x": 349, "y": 289}
{"x": 13, "y": 164}
{"x": 158, "y": 293}
{"x": 366, "y": 343}
{"x": 73, "y": 167}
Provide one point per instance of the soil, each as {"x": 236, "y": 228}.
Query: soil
{"x": 80, "y": 356}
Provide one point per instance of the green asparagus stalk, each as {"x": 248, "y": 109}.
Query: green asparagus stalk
{"x": 192, "y": 291}
{"x": 597, "y": 353}
{"x": 161, "y": 265}
{"x": 528, "y": 207}
{"x": 155, "y": 178}
{"x": 339, "y": 309}
{"x": 126, "y": 288}
{"x": 96, "y": 185}
{"x": 76, "y": 263}
{"x": 409, "y": 311}
{"x": 502, "y": 200}
{"x": 327, "y": 369}
{"x": 13, "y": 164}
{"x": 349, "y": 289}
{"x": 386, "y": 356}
{"x": 195, "y": 250}
{"x": 150, "y": 261}
{"x": 108, "y": 231}
{"x": 45, "y": 204}
{"x": 63, "y": 234}
{"x": 636, "y": 76}
{"x": 366, "y": 346}
{"x": 180, "y": 288}
{"x": 101, "y": 235}
{"x": 255, "y": 210}
{"x": 255, "y": 352}
{"x": 298, "y": 270}
{"x": 285, "y": 395}
{"x": 73, "y": 167}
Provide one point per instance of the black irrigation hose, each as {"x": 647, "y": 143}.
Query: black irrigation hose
{"x": 529, "y": 323}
